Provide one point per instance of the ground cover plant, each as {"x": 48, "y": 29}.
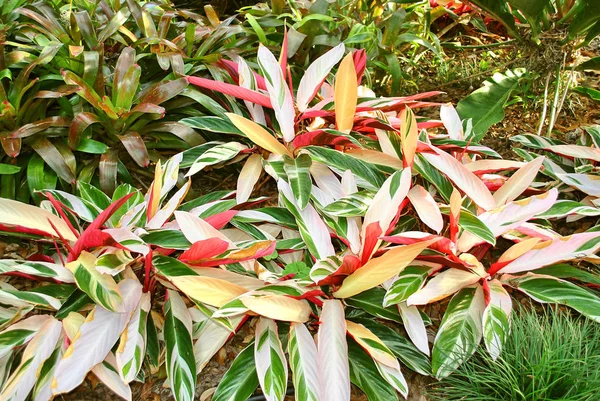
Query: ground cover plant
{"x": 351, "y": 217}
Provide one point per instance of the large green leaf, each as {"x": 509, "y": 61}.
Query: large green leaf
{"x": 460, "y": 331}
{"x": 270, "y": 361}
{"x": 298, "y": 172}
{"x": 409, "y": 280}
{"x": 500, "y": 11}
{"x": 548, "y": 289}
{"x": 485, "y": 106}
{"x": 241, "y": 379}
{"x": 364, "y": 374}
{"x": 371, "y": 301}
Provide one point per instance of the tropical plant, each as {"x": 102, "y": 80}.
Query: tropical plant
{"x": 376, "y": 216}
{"x": 563, "y": 362}
{"x": 580, "y": 17}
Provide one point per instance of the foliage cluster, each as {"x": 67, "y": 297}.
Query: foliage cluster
{"x": 378, "y": 213}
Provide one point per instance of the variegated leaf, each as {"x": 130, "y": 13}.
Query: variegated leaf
{"x": 281, "y": 97}
{"x": 415, "y": 326}
{"x": 303, "y": 361}
{"x": 38, "y": 269}
{"x": 180, "y": 363}
{"x": 332, "y": 355}
{"x": 313, "y": 230}
{"x": 426, "y": 208}
{"x": 407, "y": 283}
{"x": 248, "y": 177}
{"x": 132, "y": 346}
{"x": 549, "y": 289}
{"x": 298, "y": 172}
{"x": 94, "y": 340}
{"x": 496, "y": 319}
{"x": 40, "y": 348}
{"x": 20, "y": 333}
{"x": 217, "y": 154}
{"x": 315, "y": 75}
{"x": 442, "y": 285}
{"x": 353, "y": 205}
{"x": 271, "y": 365}
{"x": 460, "y": 331}
{"x": 102, "y": 288}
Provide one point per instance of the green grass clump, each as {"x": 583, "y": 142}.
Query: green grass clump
{"x": 548, "y": 356}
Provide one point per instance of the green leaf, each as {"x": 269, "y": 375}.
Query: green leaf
{"x": 180, "y": 362}
{"x": 298, "y": 172}
{"x": 594, "y": 94}
{"x": 485, "y": 106}
{"x": 460, "y": 331}
{"x": 500, "y": 11}
{"x": 409, "y": 281}
{"x": 364, "y": 374}
{"x": 9, "y": 169}
{"x": 367, "y": 176}
{"x": 241, "y": 379}
{"x": 496, "y": 319}
{"x": 563, "y": 270}
{"x": 548, "y": 289}
{"x": 353, "y": 205}
{"x": 372, "y": 302}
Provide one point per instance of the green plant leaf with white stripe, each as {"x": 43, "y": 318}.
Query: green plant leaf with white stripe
{"x": 271, "y": 365}
{"x": 353, "y": 205}
{"x": 548, "y": 289}
{"x": 460, "y": 331}
{"x": 20, "y": 333}
{"x": 303, "y": 361}
{"x": 40, "y": 348}
{"x": 298, "y": 172}
{"x": 332, "y": 354}
{"x": 496, "y": 319}
{"x": 407, "y": 283}
{"x": 217, "y": 154}
{"x": 180, "y": 363}
{"x": 240, "y": 381}
{"x": 132, "y": 347}
{"x": 102, "y": 288}
{"x": 38, "y": 269}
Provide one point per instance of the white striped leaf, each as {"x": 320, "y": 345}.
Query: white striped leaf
{"x": 518, "y": 182}
{"x": 6, "y": 363}
{"x": 578, "y": 151}
{"x": 248, "y": 81}
{"x": 426, "y": 208}
{"x": 332, "y": 354}
{"x": 313, "y": 230}
{"x": 394, "y": 377}
{"x": 17, "y": 214}
{"x": 303, "y": 361}
{"x": 562, "y": 208}
{"x": 298, "y": 173}
{"x": 210, "y": 338}
{"x": 442, "y": 285}
{"x": 413, "y": 323}
{"x": 315, "y": 75}
{"x": 40, "y": 297}
{"x": 372, "y": 344}
{"x": 43, "y": 386}
{"x": 407, "y": 283}
{"x": 451, "y": 121}
{"x": 248, "y": 177}
{"x": 180, "y": 363}
{"x": 102, "y": 288}
{"x": 20, "y": 333}
{"x": 271, "y": 365}
{"x": 240, "y": 381}
{"x": 279, "y": 93}
{"x": 108, "y": 373}
{"x": 38, "y": 269}
{"x": 40, "y": 348}
{"x": 85, "y": 210}
{"x": 384, "y": 208}
{"x": 509, "y": 216}
{"x": 549, "y": 289}
{"x": 217, "y": 154}
{"x": 545, "y": 253}
{"x": 588, "y": 183}
{"x": 113, "y": 261}
{"x": 94, "y": 339}
{"x": 276, "y": 306}
{"x": 460, "y": 331}
{"x": 324, "y": 268}
{"x": 352, "y": 205}
{"x": 464, "y": 179}
{"x": 496, "y": 319}
{"x": 13, "y": 314}
{"x": 132, "y": 346}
